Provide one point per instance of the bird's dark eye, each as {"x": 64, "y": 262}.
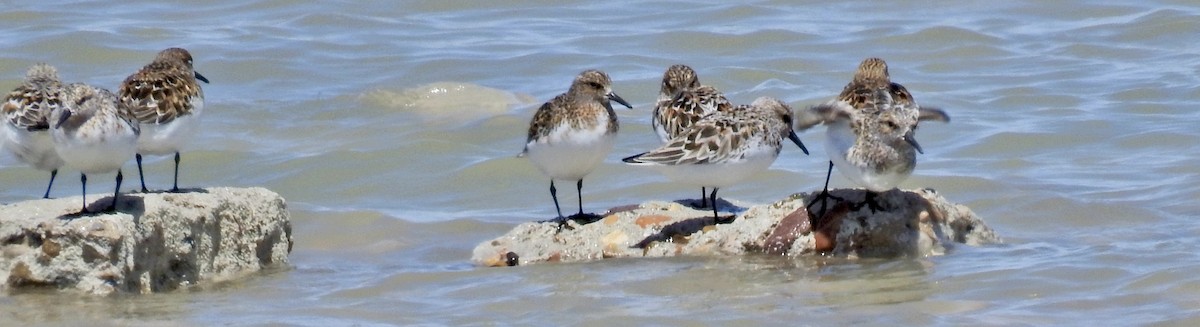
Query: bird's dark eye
{"x": 596, "y": 85}
{"x": 890, "y": 124}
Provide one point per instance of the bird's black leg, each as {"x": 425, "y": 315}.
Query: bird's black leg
{"x": 175, "y": 186}
{"x": 871, "y": 201}
{"x": 83, "y": 181}
{"x": 53, "y": 173}
{"x": 554, "y": 194}
{"x": 713, "y": 201}
{"x": 703, "y": 197}
{"x": 824, "y": 192}
{"x": 141, "y": 176}
{"x": 116, "y": 192}
{"x": 579, "y": 191}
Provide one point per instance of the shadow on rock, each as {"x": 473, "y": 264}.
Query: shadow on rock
{"x": 680, "y": 229}
{"x": 587, "y": 218}
{"x": 695, "y": 204}
{"x": 131, "y": 204}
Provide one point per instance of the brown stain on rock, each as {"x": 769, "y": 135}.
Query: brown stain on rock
{"x": 679, "y": 239}
{"x": 495, "y": 260}
{"x": 51, "y": 249}
{"x": 827, "y": 226}
{"x": 613, "y": 243}
{"x": 785, "y": 233}
{"x": 647, "y": 220}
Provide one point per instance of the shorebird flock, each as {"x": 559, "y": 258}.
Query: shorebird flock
{"x": 711, "y": 143}
{"x": 49, "y": 125}
{"x": 706, "y": 140}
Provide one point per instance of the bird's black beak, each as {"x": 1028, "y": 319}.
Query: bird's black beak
{"x": 614, "y": 97}
{"x": 201, "y": 77}
{"x": 909, "y": 138}
{"x": 62, "y": 119}
{"x": 796, "y": 139}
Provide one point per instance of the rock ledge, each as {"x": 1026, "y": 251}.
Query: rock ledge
{"x": 155, "y": 242}
{"x": 911, "y": 222}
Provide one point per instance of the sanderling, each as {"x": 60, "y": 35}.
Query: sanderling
{"x": 167, "y": 100}
{"x": 571, "y": 134}
{"x": 682, "y": 101}
{"x": 93, "y": 134}
{"x": 870, "y": 127}
{"x": 725, "y": 147}
{"x": 26, "y": 110}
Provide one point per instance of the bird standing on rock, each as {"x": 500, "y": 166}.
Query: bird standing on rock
{"x": 725, "y": 147}
{"x": 682, "y": 101}
{"x": 93, "y": 134}
{"x": 870, "y": 131}
{"x": 26, "y": 120}
{"x": 571, "y": 134}
{"x": 167, "y": 100}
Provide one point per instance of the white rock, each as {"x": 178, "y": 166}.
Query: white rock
{"x": 155, "y": 242}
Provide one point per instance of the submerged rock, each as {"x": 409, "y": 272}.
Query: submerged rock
{"x": 155, "y": 242}
{"x": 909, "y": 223}
{"x": 447, "y": 101}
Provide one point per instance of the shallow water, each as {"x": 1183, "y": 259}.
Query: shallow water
{"x": 391, "y": 130}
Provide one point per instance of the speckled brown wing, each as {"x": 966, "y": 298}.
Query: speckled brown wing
{"x": 687, "y": 107}
{"x": 900, "y": 95}
{"x": 545, "y": 119}
{"x": 159, "y": 93}
{"x": 932, "y": 114}
{"x": 902, "y": 99}
{"x": 824, "y": 113}
{"x": 541, "y": 122}
{"x": 716, "y": 138}
{"x": 126, "y": 113}
{"x": 864, "y": 97}
{"x": 28, "y": 107}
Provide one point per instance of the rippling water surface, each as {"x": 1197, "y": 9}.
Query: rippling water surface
{"x": 391, "y": 128}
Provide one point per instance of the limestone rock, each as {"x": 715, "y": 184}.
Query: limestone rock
{"x": 155, "y": 242}
{"x": 909, "y": 222}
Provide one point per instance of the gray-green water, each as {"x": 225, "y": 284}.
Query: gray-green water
{"x": 1074, "y": 135}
